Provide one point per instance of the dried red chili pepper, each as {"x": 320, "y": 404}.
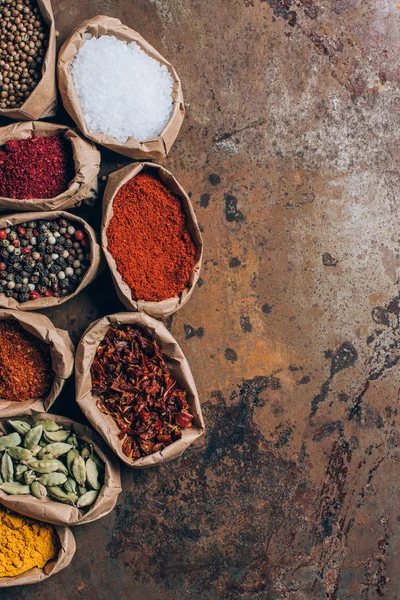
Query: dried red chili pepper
{"x": 135, "y": 386}
{"x": 25, "y": 364}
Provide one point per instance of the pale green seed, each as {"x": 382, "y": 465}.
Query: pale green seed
{"x": 73, "y": 440}
{"x": 72, "y": 454}
{"x": 53, "y": 479}
{"x": 19, "y": 453}
{"x": 38, "y": 490}
{"x": 57, "y": 436}
{"x": 9, "y": 441}
{"x": 58, "y": 494}
{"x": 11, "y": 487}
{"x": 49, "y": 425}
{"x": 82, "y": 489}
{"x": 87, "y": 499}
{"x": 79, "y": 470}
{"x": 21, "y": 427}
{"x": 100, "y": 464}
{"x": 86, "y": 452}
{"x": 70, "y": 485}
{"x": 44, "y": 466}
{"x": 7, "y": 468}
{"x": 33, "y": 436}
{"x": 19, "y": 472}
{"x": 92, "y": 474}
{"x": 54, "y": 450}
{"x": 29, "y": 477}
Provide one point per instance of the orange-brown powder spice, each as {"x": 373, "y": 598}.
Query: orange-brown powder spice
{"x": 25, "y": 364}
{"x": 148, "y": 238}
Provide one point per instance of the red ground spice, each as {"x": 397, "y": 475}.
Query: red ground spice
{"x": 35, "y": 167}
{"x": 25, "y": 364}
{"x": 148, "y": 239}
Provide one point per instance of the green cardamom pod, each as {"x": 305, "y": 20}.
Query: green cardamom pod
{"x": 58, "y": 494}
{"x": 53, "y": 479}
{"x": 72, "y": 454}
{"x": 19, "y": 453}
{"x": 92, "y": 474}
{"x": 21, "y": 427}
{"x": 13, "y": 488}
{"x": 44, "y": 466}
{"x": 73, "y": 440}
{"x": 33, "y": 436}
{"x": 1, "y": 479}
{"x": 38, "y": 490}
{"x": 57, "y": 436}
{"x": 54, "y": 450}
{"x": 70, "y": 485}
{"x": 87, "y": 499}
{"x": 7, "y": 468}
{"x": 19, "y": 472}
{"x": 35, "y": 451}
{"x": 9, "y": 441}
{"x": 86, "y": 452}
{"x": 82, "y": 489}
{"x": 100, "y": 464}
{"x": 49, "y": 425}
{"x": 29, "y": 477}
{"x": 79, "y": 470}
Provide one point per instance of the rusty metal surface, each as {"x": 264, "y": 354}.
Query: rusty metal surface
{"x": 290, "y": 152}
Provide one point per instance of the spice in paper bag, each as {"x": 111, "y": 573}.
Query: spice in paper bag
{"x": 161, "y": 417}
{"x": 45, "y": 259}
{"x": 113, "y": 118}
{"x": 28, "y": 60}
{"x": 31, "y": 551}
{"x": 156, "y": 268}
{"x": 45, "y": 166}
{"x": 36, "y": 359}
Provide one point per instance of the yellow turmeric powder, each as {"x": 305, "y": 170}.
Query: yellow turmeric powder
{"x": 24, "y": 544}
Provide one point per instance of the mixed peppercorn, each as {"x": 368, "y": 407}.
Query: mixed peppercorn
{"x": 135, "y": 386}
{"x": 42, "y": 258}
{"x": 35, "y": 167}
{"x": 25, "y": 364}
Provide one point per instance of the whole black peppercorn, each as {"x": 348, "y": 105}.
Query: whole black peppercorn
{"x": 49, "y": 249}
{"x": 1, "y": 288}
{"x": 24, "y": 297}
{"x": 61, "y": 241}
{"x": 34, "y": 279}
{"x": 47, "y": 259}
{"x": 68, "y": 244}
{"x": 62, "y": 262}
{"x": 29, "y": 268}
{"x": 41, "y": 238}
{"x": 59, "y": 249}
{"x": 9, "y": 293}
{"x": 55, "y": 269}
{"x": 41, "y": 288}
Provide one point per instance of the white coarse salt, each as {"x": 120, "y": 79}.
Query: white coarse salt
{"x": 123, "y": 91}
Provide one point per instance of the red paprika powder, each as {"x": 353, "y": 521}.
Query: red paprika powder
{"x": 148, "y": 238}
{"x": 35, "y": 167}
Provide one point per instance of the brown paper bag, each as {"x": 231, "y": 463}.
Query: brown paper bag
{"x": 65, "y": 555}
{"x": 84, "y": 185}
{"x": 116, "y": 180}
{"x": 57, "y": 513}
{"x": 89, "y": 276}
{"x": 101, "y": 25}
{"x": 62, "y": 358}
{"x": 175, "y": 360}
{"x": 42, "y": 102}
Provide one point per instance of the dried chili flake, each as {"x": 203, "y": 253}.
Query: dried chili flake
{"x": 134, "y": 385}
{"x": 25, "y": 364}
{"x": 35, "y": 167}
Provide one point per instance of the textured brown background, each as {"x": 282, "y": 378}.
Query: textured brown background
{"x": 290, "y": 151}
